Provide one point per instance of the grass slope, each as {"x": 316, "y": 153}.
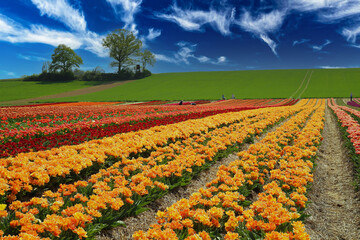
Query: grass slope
{"x": 203, "y": 85}
{"x": 17, "y": 89}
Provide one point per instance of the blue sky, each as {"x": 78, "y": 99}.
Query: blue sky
{"x": 195, "y": 35}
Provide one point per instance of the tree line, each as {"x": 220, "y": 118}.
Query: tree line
{"x": 124, "y": 47}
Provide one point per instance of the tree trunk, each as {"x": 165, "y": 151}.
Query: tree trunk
{"x": 119, "y": 68}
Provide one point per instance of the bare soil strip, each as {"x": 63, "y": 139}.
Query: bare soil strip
{"x": 335, "y": 205}
{"x": 144, "y": 220}
{"x": 73, "y": 93}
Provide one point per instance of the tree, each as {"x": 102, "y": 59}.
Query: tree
{"x": 147, "y": 58}
{"x": 123, "y": 46}
{"x": 64, "y": 59}
{"x": 45, "y": 67}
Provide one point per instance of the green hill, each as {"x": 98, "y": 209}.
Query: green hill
{"x": 14, "y": 89}
{"x": 209, "y": 85}
{"x": 243, "y": 84}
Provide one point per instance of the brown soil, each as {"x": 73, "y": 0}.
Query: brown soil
{"x": 335, "y": 205}
{"x": 73, "y": 93}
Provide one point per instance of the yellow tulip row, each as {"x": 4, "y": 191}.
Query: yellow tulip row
{"x": 278, "y": 167}
{"x": 124, "y": 187}
{"x": 27, "y": 171}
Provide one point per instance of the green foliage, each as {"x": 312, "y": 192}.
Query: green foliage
{"x": 123, "y": 47}
{"x": 147, "y": 58}
{"x": 64, "y": 59}
{"x": 51, "y": 76}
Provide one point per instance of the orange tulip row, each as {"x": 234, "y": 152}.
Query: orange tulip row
{"x": 274, "y": 167}
{"x": 76, "y": 210}
{"x": 27, "y": 171}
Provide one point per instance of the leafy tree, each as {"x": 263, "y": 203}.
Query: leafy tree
{"x": 147, "y": 58}
{"x": 64, "y": 59}
{"x": 123, "y": 46}
{"x": 46, "y": 67}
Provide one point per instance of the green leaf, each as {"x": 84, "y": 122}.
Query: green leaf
{"x": 141, "y": 210}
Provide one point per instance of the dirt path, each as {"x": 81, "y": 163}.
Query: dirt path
{"x": 68, "y": 94}
{"x": 335, "y": 206}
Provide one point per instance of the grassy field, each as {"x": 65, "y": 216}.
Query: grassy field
{"x": 206, "y": 85}
{"x": 203, "y": 85}
{"x": 14, "y": 89}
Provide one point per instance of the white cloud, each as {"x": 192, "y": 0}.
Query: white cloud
{"x": 334, "y": 11}
{"x": 301, "y": 41}
{"x": 11, "y": 31}
{"x": 221, "y": 59}
{"x": 93, "y": 43}
{"x": 127, "y": 11}
{"x": 185, "y": 53}
{"x": 7, "y": 73}
{"x": 194, "y": 20}
{"x": 32, "y": 58}
{"x": 40, "y": 34}
{"x": 331, "y": 67}
{"x": 161, "y": 57}
{"x": 153, "y": 34}
{"x": 262, "y": 25}
{"x": 61, "y": 10}
{"x": 320, "y": 47}
{"x": 203, "y": 59}
{"x": 269, "y": 42}
{"x": 351, "y": 33}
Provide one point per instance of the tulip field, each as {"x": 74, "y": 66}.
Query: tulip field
{"x": 71, "y": 170}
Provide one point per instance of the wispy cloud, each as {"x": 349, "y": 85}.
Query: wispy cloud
{"x": 351, "y": 34}
{"x": 221, "y": 59}
{"x": 301, "y": 41}
{"x": 127, "y": 9}
{"x": 345, "y": 13}
{"x": 11, "y": 31}
{"x": 331, "y": 67}
{"x": 320, "y": 47}
{"x": 32, "y": 58}
{"x": 186, "y": 52}
{"x": 153, "y": 33}
{"x": 7, "y": 73}
{"x": 62, "y": 11}
{"x": 262, "y": 25}
{"x": 161, "y": 57}
{"x": 194, "y": 20}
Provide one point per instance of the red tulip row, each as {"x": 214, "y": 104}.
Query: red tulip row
{"x": 78, "y": 133}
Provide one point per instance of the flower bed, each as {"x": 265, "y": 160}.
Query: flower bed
{"x": 83, "y": 208}
{"x": 29, "y": 132}
{"x": 258, "y": 196}
{"x": 350, "y": 129}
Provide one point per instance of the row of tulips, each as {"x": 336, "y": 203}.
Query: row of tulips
{"x": 352, "y": 126}
{"x": 46, "y": 120}
{"x": 28, "y": 170}
{"x": 81, "y": 209}
{"x": 50, "y": 137}
{"x": 258, "y": 196}
{"x": 350, "y": 129}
